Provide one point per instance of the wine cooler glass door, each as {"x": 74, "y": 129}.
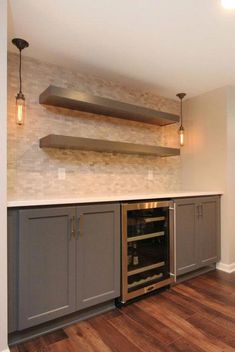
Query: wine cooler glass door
{"x": 145, "y": 247}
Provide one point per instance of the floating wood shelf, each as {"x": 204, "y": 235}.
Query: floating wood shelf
{"x": 71, "y": 99}
{"x": 99, "y": 145}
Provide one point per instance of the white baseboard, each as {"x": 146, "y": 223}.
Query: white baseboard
{"x": 228, "y": 268}
{"x": 7, "y": 350}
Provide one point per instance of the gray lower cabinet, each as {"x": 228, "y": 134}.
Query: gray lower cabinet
{"x": 209, "y": 227}
{"x": 61, "y": 260}
{"x": 46, "y": 265}
{"x": 98, "y": 254}
{"x": 197, "y": 225}
{"x": 186, "y": 236}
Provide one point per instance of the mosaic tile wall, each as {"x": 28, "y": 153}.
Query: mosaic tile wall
{"x": 33, "y": 172}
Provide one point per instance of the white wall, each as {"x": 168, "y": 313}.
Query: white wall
{"x": 3, "y": 145}
{"x": 208, "y": 157}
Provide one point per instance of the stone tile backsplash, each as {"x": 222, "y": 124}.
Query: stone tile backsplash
{"x": 33, "y": 172}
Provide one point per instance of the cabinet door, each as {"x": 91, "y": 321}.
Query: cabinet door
{"x": 186, "y": 235}
{"x": 209, "y": 230}
{"x": 46, "y": 265}
{"x": 98, "y": 254}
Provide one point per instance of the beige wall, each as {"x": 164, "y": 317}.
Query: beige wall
{"x": 3, "y": 171}
{"x": 204, "y": 153}
{"x": 33, "y": 172}
{"x": 208, "y": 158}
{"x": 230, "y": 219}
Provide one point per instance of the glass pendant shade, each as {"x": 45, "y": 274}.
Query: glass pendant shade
{"x": 181, "y": 136}
{"x": 181, "y": 129}
{"x": 20, "y": 109}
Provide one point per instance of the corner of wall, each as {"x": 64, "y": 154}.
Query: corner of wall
{"x": 227, "y": 268}
{"x": 3, "y": 173}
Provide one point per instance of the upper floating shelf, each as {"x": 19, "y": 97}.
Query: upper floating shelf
{"x": 72, "y": 99}
{"x": 99, "y": 145}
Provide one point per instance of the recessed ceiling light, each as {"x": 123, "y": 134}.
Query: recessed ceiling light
{"x": 228, "y": 4}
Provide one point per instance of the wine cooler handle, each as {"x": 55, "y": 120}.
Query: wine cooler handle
{"x": 150, "y": 288}
{"x": 80, "y": 225}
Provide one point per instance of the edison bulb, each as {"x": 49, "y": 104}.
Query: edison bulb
{"x": 20, "y": 110}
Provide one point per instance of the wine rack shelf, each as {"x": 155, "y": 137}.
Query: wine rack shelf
{"x": 145, "y": 237}
{"x": 144, "y": 281}
{"x": 145, "y": 268}
{"x": 158, "y": 218}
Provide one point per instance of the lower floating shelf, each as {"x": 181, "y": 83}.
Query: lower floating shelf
{"x": 99, "y": 145}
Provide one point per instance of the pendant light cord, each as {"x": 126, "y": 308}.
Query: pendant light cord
{"x": 181, "y": 112}
{"x": 20, "y": 74}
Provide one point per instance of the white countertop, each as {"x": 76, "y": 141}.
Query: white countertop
{"x": 110, "y": 198}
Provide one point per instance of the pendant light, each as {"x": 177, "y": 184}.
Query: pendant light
{"x": 181, "y": 129}
{"x": 20, "y": 98}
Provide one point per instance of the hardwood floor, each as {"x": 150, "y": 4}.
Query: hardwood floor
{"x": 195, "y": 316}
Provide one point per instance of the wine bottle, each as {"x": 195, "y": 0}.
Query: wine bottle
{"x": 135, "y": 261}
{"x": 130, "y": 253}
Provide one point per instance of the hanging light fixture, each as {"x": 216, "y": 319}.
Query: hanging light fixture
{"x": 181, "y": 129}
{"x": 20, "y": 98}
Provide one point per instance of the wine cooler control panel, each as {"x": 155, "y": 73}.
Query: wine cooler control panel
{"x": 145, "y": 247}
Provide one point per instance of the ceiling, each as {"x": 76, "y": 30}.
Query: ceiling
{"x": 164, "y": 46}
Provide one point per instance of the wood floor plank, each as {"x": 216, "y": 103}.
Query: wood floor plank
{"x": 112, "y": 337}
{"x": 218, "y": 286}
{"x": 55, "y": 336}
{"x": 208, "y": 313}
{"x": 205, "y": 300}
{"x": 212, "y": 328}
{"x": 66, "y": 346}
{"x": 41, "y": 343}
{"x": 85, "y": 333}
{"x": 225, "y": 322}
{"x": 184, "y": 328}
{"x": 155, "y": 327}
{"x": 174, "y": 306}
{"x": 138, "y": 334}
{"x": 217, "y": 295}
{"x": 221, "y": 276}
{"x": 182, "y": 345}
{"x": 174, "y": 297}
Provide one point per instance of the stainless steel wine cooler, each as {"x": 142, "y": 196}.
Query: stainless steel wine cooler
{"x": 147, "y": 247}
